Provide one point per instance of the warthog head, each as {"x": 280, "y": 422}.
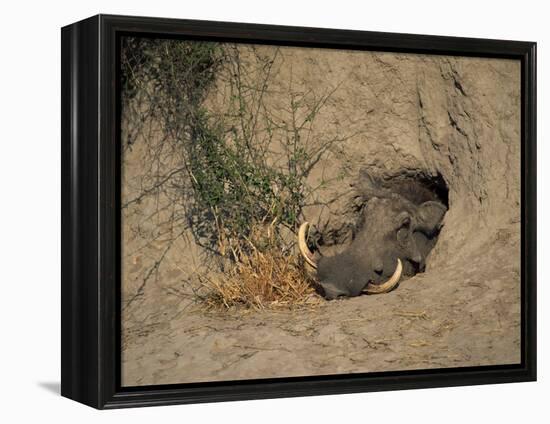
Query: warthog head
{"x": 397, "y": 228}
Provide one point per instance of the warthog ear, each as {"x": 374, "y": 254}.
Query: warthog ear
{"x": 369, "y": 187}
{"x": 430, "y": 215}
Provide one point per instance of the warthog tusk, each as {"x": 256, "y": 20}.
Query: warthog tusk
{"x": 388, "y": 285}
{"x": 302, "y": 245}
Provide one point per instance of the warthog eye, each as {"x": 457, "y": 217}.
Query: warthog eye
{"x": 403, "y": 231}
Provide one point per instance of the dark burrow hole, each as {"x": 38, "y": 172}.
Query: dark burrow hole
{"x": 417, "y": 187}
{"x": 437, "y": 185}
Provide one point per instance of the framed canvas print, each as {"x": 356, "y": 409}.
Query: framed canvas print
{"x": 254, "y": 211}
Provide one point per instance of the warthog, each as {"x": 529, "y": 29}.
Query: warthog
{"x": 397, "y": 228}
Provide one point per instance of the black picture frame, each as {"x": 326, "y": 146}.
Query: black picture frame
{"x": 91, "y": 212}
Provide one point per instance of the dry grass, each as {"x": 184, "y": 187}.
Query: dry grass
{"x": 263, "y": 281}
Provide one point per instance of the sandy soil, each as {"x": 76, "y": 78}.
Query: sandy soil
{"x": 455, "y": 116}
